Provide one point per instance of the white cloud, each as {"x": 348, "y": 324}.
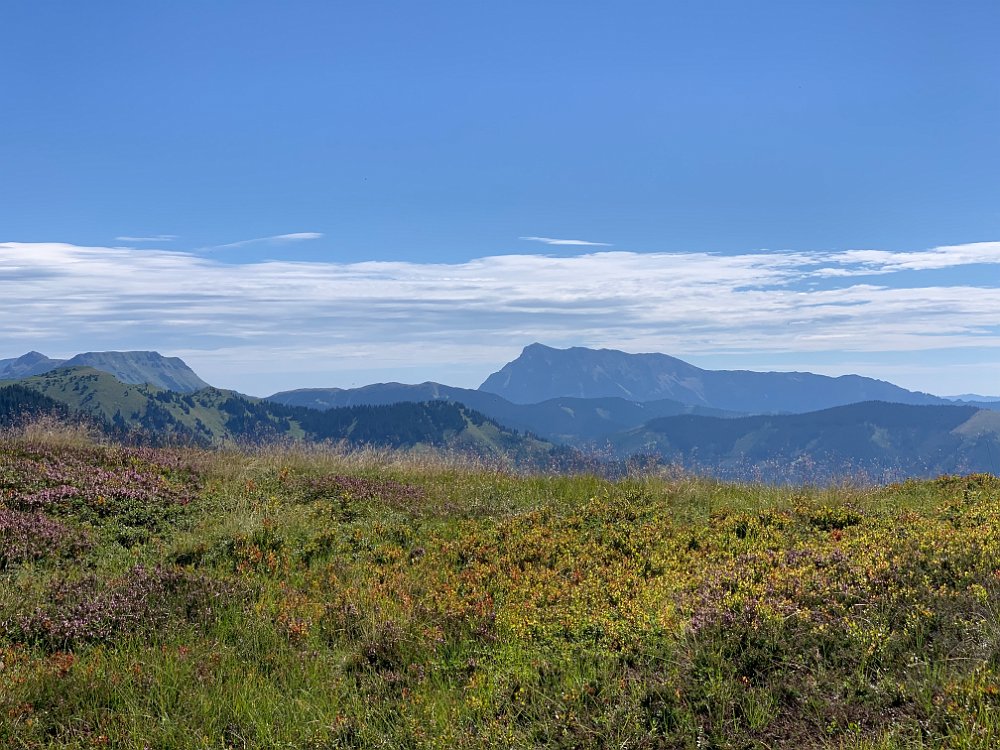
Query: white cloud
{"x": 553, "y": 241}
{"x": 277, "y": 239}
{"x": 868, "y": 262}
{"x": 323, "y": 317}
{"x": 153, "y": 238}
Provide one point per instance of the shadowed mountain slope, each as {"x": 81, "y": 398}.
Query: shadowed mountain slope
{"x": 19, "y": 403}
{"x": 875, "y": 438}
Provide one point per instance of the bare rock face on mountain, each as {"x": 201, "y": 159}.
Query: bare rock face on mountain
{"x": 136, "y": 368}
{"x": 170, "y": 373}
{"x": 542, "y": 372}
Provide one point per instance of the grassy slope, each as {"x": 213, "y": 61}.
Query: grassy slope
{"x": 204, "y": 415}
{"x": 99, "y": 393}
{"x": 315, "y": 600}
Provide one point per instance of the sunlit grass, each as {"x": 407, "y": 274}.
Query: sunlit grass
{"x": 318, "y": 597}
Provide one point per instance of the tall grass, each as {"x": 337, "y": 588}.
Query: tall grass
{"x": 52, "y": 430}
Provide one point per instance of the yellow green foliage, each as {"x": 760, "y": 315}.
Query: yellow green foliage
{"x": 372, "y": 603}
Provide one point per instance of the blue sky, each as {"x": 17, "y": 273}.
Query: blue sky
{"x": 215, "y": 180}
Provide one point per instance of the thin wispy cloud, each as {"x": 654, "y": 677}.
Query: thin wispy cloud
{"x": 324, "y": 316}
{"x": 153, "y": 238}
{"x": 276, "y": 239}
{"x": 554, "y": 241}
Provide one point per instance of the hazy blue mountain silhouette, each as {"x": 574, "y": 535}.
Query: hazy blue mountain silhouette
{"x": 32, "y": 363}
{"x": 542, "y": 372}
{"x": 568, "y": 420}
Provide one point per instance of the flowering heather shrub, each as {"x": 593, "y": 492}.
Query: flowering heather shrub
{"x": 142, "y": 486}
{"x": 564, "y": 612}
{"x": 92, "y": 610}
{"x": 31, "y": 536}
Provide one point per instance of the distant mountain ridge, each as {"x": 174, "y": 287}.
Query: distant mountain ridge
{"x": 137, "y": 367}
{"x": 879, "y": 440}
{"x": 32, "y": 363}
{"x": 874, "y": 440}
{"x": 567, "y": 420}
{"x": 542, "y": 372}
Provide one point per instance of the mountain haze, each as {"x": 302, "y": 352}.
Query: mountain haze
{"x": 542, "y": 372}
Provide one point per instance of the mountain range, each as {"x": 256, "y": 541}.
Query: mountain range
{"x": 575, "y": 421}
{"x": 751, "y": 425}
{"x": 584, "y": 397}
{"x": 212, "y": 416}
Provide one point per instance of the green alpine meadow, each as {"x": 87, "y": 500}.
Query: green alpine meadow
{"x": 320, "y": 597}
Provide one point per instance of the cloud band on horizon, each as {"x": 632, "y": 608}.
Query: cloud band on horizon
{"x": 59, "y": 295}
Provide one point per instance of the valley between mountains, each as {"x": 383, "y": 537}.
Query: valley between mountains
{"x": 549, "y": 409}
